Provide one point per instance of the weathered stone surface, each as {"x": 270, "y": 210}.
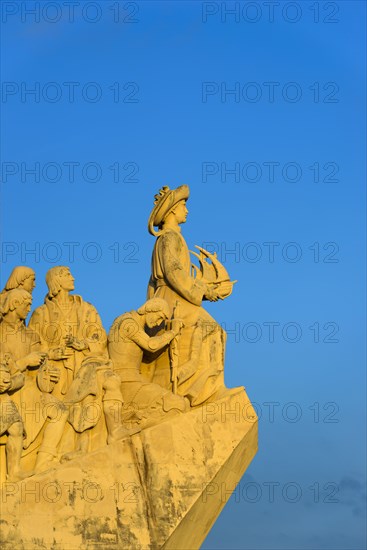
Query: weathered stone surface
{"x": 127, "y": 440}
{"x": 161, "y": 488}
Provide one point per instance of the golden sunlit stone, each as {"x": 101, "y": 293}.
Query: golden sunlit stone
{"x": 126, "y": 440}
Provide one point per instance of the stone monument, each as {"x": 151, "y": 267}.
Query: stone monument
{"x": 129, "y": 440}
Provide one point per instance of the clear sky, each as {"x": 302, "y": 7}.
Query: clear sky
{"x": 261, "y": 111}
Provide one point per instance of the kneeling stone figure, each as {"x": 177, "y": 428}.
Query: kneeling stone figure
{"x": 127, "y": 342}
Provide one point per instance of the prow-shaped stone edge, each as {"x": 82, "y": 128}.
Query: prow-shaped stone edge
{"x": 182, "y": 472}
{"x": 192, "y": 531}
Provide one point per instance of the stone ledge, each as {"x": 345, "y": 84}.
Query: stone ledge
{"x": 136, "y": 494}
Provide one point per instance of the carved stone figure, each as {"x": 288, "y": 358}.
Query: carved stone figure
{"x": 21, "y": 277}
{"x": 127, "y": 341}
{"x": 34, "y": 399}
{"x": 95, "y": 396}
{"x": 136, "y": 472}
{"x": 70, "y": 328}
{"x": 11, "y": 422}
{"x": 72, "y": 333}
{"x": 173, "y": 279}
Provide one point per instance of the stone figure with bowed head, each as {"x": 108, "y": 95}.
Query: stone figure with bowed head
{"x": 95, "y": 404}
{"x": 128, "y": 340}
{"x": 70, "y": 328}
{"x": 11, "y": 423}
{"x": 175, "y": 279}
{"x": 40, "y": 410}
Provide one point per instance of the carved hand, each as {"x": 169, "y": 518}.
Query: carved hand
{"x": 60, "y": 353}
{"x": 34, "y": 359}
{"x": 211, "y": 294}
{"x": 53, "y": 373}
{"x": 5, "y": 384}
{"x": 74, "y": 343}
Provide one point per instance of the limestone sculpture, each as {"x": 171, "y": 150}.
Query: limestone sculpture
{"x": 21, "y": 277}
{"x": 172, "y": 278}
{"x": 23, "y": 345}
{"x": 11, "y": 422}
{"x": 127, "y": 342}
{"x": 70, "y": 328}
{"x": 85, "y": 417}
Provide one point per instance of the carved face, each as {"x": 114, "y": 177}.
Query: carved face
{"x": 29, "y": 283}
{"x": 181, "y": 211}
{"x": 154, "y": 319}
{"x": 23, "y": 309}
{"x": 66, "y": 280}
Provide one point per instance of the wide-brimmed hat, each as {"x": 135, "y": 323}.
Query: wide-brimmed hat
{"x": 164, "y": 201}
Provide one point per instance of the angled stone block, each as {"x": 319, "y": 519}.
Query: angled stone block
{"x": 161, "y": 488}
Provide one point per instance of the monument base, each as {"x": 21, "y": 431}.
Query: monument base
{"x": 161, "y": 488}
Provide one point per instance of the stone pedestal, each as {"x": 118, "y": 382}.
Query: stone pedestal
{"x": 161, "y": 488}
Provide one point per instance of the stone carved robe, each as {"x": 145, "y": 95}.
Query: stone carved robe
{"x": 82, "y": 321}
{"x": 173, "y": 281}
{"x": 9, "y": 413}
{"x": 33, "y": 397}
{"x": 127, "y": 342}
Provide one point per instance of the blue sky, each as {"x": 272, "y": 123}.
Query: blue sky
{"x": 277, "y": 177}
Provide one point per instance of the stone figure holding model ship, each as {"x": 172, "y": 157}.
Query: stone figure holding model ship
{"x": 130, "y": 439}
{"x": 200, "y": 349}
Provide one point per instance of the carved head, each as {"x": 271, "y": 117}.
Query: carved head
{"x": 18, "y": 300}
{"x": 164, "y": 204}
{"x": 57, "y": 278}
{"x": 180, "y": 212}
{"x": 156, "y": 311}
{"x": 21, "y": 277}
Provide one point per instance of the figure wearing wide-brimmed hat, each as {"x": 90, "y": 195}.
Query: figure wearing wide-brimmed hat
{"x": 174, "y": 279}
{"x": 171, "y": 264}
